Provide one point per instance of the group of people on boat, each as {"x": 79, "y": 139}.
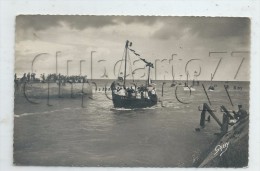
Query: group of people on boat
{"x": 133, "y": 96}
{"x": 141, "y": 92}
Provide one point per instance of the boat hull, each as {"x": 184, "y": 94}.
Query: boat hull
{"x": 132, "y": 102}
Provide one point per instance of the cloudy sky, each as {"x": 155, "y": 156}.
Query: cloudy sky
{"x": 154, "y": 38}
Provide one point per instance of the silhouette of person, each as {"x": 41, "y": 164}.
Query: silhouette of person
{"x": 241, "y": 113}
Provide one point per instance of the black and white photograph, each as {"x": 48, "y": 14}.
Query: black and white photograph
{"x": 131, "y": 91}
{"x": 120, "y": 85}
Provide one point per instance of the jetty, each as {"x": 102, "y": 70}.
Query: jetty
{"x": 230, "y": 149}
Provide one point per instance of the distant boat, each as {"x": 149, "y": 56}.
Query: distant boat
{"x": 173, "y": 82}
{"x": 211, "y": 87}
{"x": 186, "y": 85}
{"x": 187, "y": 88}
{"x": 132, "y": 97}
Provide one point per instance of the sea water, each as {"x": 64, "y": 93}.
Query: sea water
{"x": 76, "y": 131}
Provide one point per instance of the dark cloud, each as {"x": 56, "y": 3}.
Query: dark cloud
{"x": 223, "y": 27}
{"x": 217, "y": 28}
{"x": 27, "y": 24}
{"x": 42, "y": 22}
{"x": 205, "y": 27}
{"x": 225, "y": 30}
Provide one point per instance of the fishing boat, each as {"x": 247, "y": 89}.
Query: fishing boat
{"x": 186, "y": 86}
{"x": 131, "y": 97}
{"x": 211, "y": 87}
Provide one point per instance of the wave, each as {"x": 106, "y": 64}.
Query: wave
{"x": 44, "y": 112}
{"x": 121, "y": 109}
{"x": 125, "y": 109}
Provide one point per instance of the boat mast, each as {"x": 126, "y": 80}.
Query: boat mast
{"x": 187, "y": 78}
{"x": 172, "y": 74}
{"x": 126, "y": 46}
{"x": 211, "y": 79}
{"x": 148, "y": 81}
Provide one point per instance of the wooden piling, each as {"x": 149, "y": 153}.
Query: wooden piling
{"x": 208, "y": 109}
{"x": 225, "y": 121}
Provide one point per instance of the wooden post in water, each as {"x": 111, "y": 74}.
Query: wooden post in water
{"x": 59, "y": 84}
{"x": 71, "y": 90}
{"x": 162, "y": 88}
{"x": 208, "y": 109}
{"x": 82, "y": 97}
{"x": 225, "y": 122}
{"x": 48, "y": 97}
{"x": 202, "y": 118}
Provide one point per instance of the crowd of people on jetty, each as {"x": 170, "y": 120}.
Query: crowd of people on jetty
{"x": 54, "y": 78}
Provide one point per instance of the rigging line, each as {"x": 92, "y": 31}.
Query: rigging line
{"x": 136, "y": 54}
{"x": 130, "y": 65}
{"x": 121, "y": 63}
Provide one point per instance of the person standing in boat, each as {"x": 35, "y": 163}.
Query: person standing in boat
{"x": 241, "y": 113}
{"x": 153, "y": 92}
{"x": 113, "y": 85}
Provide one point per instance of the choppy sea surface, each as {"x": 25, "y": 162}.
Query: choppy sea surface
{"x": 72, "y": 130}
